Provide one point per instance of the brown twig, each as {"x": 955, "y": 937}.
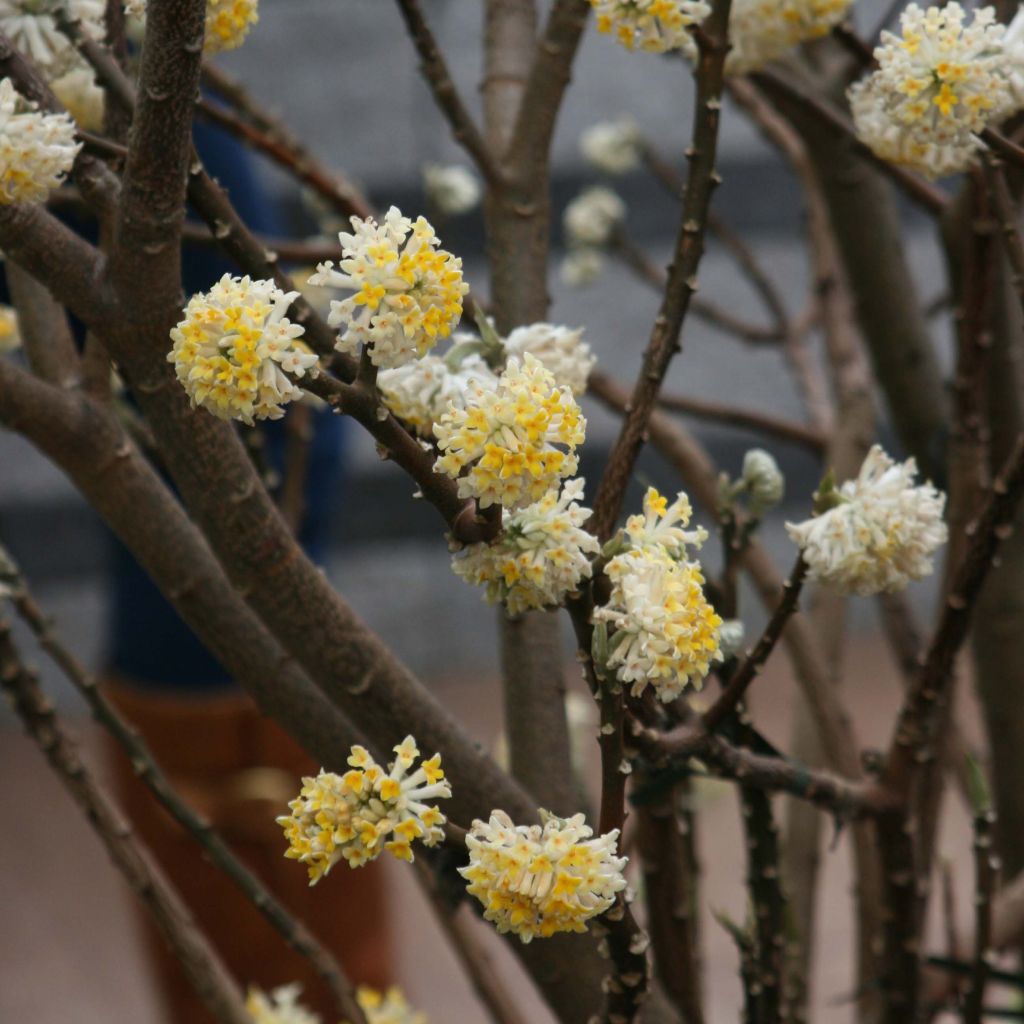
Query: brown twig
{"x": 986, "y": 875}
{"x": 664, "y": 341}
{"x": 298, "y": 429}
{"x": 201, "y": 963}
{"x": 294, "y": 932}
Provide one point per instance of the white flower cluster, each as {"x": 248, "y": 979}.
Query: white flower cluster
{"x": 31, "y": 26}
{"x": 540, "y": 556}
{"x": 662, "y": 631}
{"x": 592, "y": 218}
{"x": 612, "y": 146}
{"x": 938, "y": 84}
{"x": 280, "y": 1006}
{"x": 36, "y": 149}
{"x": 451, "y": 189}
{"x": 561, "y": 350}
{"x": 506, "y": 446}
{"x": 880, "y": 535}
{"x": 538, "y": 880}
{"x": 233, "y": 348}
{"x": 227, "y": 21}
{"x": 81, "y": 96}
{"x": 408, "y": 292}
{"x": 350, "y": 816}
{"x": 654, "y": 25}
{"x": 10, "y": 336}
{"x": 419, "y": 393}
{"x": 388, "y": 1007}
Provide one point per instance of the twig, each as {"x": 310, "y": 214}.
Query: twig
{"x": 751, "y": 666}
{"x": 664, "y": 341}
{"x": 1006, "y": 148}
{"x": 298, "y": 429}
{"x": 201, "y": 963}
{"x": 986, "y": 874}
{"x": 435, "y": 71}
{"x": 294, "y": 932}
{"x": 1009, "y": 232}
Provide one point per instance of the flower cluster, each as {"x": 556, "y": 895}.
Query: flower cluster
{"x": 662, "y": 630}
{"x": 81, "y": 96}
{"x": 540, "y": 880}
{"x": 561, "y": 350}
{"x": 880, "y": 535}
{"x": 388, "y": 1007}
{"x": 419, "y": 393}
{"x": 10, "y": 336}
{"x": 227, "y": 22}
{"x": 234, "y": 347}
{"x": 36, "y": 149}
{"x": 350, "y": 816}
{"x": 593, "y": 217}
{"x": 540, "y": 556}
{"x": 31, "y": 26}
{"x": 451, "y": 189}
{"x": 281, "y": 1006}
{"x": 612, "y": 146}
{"x": 408, "y": 292}
{"x": 937, "y": 86}
{"x": 654, "y": 25}
{"x": 761, "y": 31}
{"x": 502, "y": 446}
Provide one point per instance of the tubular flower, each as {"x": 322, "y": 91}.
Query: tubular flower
{"x": 10, "y": 336}
{"x": 31, "y": 26}
{"x": 937, "y": 86}
{"x": 350, "y": 816}
{"x": 663, "y": 631}
{"x": 593, "y": 217}
{"x": 282, "y": 1006}
{"x": 881, "y": 534}
{"x": 36, "y": 150}
{"x": 419, "y": 392}
{"x": 540, "y": 556}
{"x": 452, "y": 189}
{"x": 227, "y": 22}
{"x": 612, "y": 146}
{"x": 561, "y": 350}
{"x": 234, "y": 347}
{"x": 387, "y": 1007}
{"x": 654, "y": 25}
{"x": 657, "y": 530}
{"x": 539, "y": 880}
{"x": 408, "y": 292}
{"x": 502, "y": 446}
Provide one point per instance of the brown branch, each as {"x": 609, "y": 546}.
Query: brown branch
{"x": 986, "y": 875}
{"x": 900, "y": 962}
{"x": 1006, "y": 148}
{"x": 294, "y": 932}
{"x": 682, "y": 277}
{"x": 435, "y": 71}
{"x": 751, "y": 666}
{"x": 202, "y": 965}
{"x": 288, "y": 250}
{"x": 1009, "y": 232}
{"x": 44, "y": 329}
{"x": 299, "y": 430}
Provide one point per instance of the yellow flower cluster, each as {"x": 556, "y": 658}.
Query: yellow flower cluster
{"x": 228, "y": 23}
{"x": 388, "y": 1007}
{"x": 537, "y": 880}
{"x": 10, "y": 336}
{"x": 235, "y": 346}
{"x": 662, "y": 631}
{"x": 36, "y": 149}
{"x": 282, "y": 1006}
{"x": 761, "y": 31}
{"x": 502, "y": 447}
{"x": 540, "y": 556}
{"x": 350, "y": 816}
{"x": 654, "y": 25}
{"x": 408, "y": 293}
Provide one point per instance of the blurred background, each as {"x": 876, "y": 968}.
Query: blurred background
{"x": 343, "y": 75}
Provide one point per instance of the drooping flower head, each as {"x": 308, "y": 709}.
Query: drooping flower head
{"x": 453, "y": 190}
{"x": 418, "y": 393}
{"x": 661, "y": 630}
{"x": 592, "y": 218}
{"x": 561, "y": 350}
{"x": 612, "y": 146}
{"x": 538, "y": 880}
{"x": 388, "y": 1007}
{"x": 227, "y": 22}
{"x": 31, "y": 26}
{"x": 408, "y": 293}
{"x": 36, "y": 150}
{"x": 235, "y": 345}
{"x": 880, "y": 535}
{"x": 280, "y": 1006}
{"x": 540, "y": 556}
{"x": 506, "y": 446}
{"x": 938, "y": 85}
{"x": 351, "y": 816}
{"x": 653, "y": 25}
